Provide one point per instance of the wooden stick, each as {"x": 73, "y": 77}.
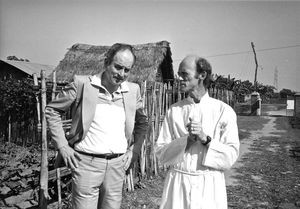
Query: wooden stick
{"x": 54, "y": 85}
{"x": 128, "y": 183}
{"x": 59, "y": 205}
{"x": 9, "y": 128}
{"x": 153, "y": 124}
{"x": 44, "y": 196}
{"x": 143, "y": 152}
{"x": 143, "y": 159}
{"x": 131, "y": 179}
{"x": 35, "y": 81}
{"x": 149, "y": 132}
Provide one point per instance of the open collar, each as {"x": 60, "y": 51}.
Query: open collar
{"x": 203, "y": 99}
{"x": 96, "y": 81}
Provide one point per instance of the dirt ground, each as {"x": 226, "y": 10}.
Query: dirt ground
{"x": 266, "y": 175}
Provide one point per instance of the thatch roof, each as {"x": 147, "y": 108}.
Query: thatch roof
{"x": 153, "y": 63}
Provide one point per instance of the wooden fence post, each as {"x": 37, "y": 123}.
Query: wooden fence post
{"x": 59, "y": 204}
{"x": 152, "y": 138}
{"x": 143, "y": 150}
{"x": 9, "y": 129}
{"x": 38, "y": 108}
{"x": 54, "y": 85}
{"x": 44, "y": 196}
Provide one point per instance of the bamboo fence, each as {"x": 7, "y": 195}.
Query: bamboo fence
{"x": 157, "y": 98}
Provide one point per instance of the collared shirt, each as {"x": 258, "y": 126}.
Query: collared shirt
{"x": 107, "y": 131}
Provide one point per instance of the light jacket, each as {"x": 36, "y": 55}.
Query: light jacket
{"x": 81, "y": 96}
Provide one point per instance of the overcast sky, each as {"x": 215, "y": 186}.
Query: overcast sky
{"x": 221, "y": 31}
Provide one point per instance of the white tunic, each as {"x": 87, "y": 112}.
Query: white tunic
{"x": 196, "y": 179}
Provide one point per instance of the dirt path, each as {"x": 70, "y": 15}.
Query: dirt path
{"x": 267, "y": 174}
{"x": 267, "y": 130}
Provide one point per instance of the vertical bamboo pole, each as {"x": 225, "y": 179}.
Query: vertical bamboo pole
{"x": 38, "y": 109}
{"x": 59, "y": 205}
{"x": 153, "y": 161}
{"x": 158, "y": 103}
{"x": 44, "y": 196}
{"x": 143, "y": 150}
{"x": 149, "y": 133}
{"x": 160, "y": 106}
{"x": 178, "y": 90}
{"x": 214, "y": 92}
{"x": 173, "y": 94}
{"x": 144, "y": 91}
{"x": 54, "y": 85}
{"x": 166, "y": 97}
{"x": 128, "y": 184}
{"x": 227, "y": 96}
{"x": 9, "y": 128}
{"x": 131, "y": 179}
{"x": 53, "y": 94}
{"x": 143, "y": 158}
{"x": 163, "y": 100}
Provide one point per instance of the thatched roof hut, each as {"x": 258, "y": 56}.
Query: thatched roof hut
{"x": 153, "y": 63}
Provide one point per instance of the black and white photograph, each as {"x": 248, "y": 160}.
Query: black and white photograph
{"x": 149, "y": 104}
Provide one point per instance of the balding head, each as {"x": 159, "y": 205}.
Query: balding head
{"x": 199, "y": 65}
{"x": 189, "y": 61}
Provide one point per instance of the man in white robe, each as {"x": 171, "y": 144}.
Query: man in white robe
{"x": 199, "y": 140}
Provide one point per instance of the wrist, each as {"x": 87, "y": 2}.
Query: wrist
{"x": 207, "y": 141}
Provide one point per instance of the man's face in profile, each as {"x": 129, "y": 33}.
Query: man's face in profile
{"x": 188, "y": 75}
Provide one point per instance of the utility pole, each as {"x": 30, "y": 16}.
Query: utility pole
{"x": 276, "y": 78}
{"x": 256, "y": 66}
{"x": 255, "y": 97}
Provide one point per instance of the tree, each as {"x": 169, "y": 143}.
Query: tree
{"x": 266, "y": 92}
{"x": 17, "y": 101}
{"x": 13, "y": 57}
{"x": 284, "y": 93}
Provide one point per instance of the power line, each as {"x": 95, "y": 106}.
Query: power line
{"x": 245, "y": 52}
{"x": 258, "y": 50}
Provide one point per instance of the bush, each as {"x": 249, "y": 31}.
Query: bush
{"x": 17, "y": 101}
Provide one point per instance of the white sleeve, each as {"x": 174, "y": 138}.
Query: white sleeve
{"x": 168, "y": 149}
{"x": 223, "y": 150}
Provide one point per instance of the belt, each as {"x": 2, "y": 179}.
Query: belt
{"x": 104, "y": 156}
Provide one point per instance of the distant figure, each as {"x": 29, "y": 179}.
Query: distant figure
{"x": 199, "y": 140}
{"x": 106, "y": 110}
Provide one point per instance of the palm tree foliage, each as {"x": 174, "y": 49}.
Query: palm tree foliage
{"x": 242, "y": 88}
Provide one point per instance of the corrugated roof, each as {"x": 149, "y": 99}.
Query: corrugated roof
{"x": 31, "y": 68}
